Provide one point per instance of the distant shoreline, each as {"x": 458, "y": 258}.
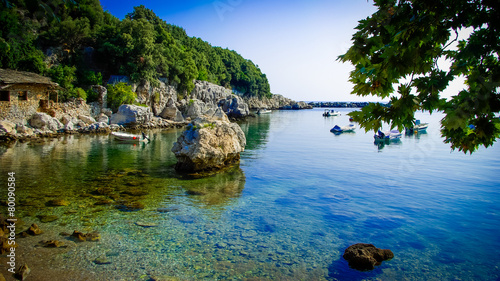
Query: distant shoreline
{"x": 353, "y": 104}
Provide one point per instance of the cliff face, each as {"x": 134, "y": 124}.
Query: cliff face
{"x": 204, "y": 100}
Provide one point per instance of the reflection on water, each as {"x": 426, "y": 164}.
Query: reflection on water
{"x": 257, "y": 131}
{"x": 217, "y": 190}
{"x": 299, "y": 197}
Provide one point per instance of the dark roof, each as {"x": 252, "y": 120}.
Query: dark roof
{"x": 8, "y": 76}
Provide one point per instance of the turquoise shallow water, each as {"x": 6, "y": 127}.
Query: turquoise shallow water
{"x": 299, "y": 197}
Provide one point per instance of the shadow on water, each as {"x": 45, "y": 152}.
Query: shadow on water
{"x": 340, "y": 270}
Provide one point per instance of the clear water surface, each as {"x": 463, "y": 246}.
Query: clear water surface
{"x": 300, "y": 196}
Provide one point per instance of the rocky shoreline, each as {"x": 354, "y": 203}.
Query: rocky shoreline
{"x": 163, "y": 110}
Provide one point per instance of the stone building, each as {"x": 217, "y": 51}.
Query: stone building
{"x": 24, "y": 93}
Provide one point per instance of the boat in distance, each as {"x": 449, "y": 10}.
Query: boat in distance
{"x": 329, "y": 113}
{"x": 418, "y": 127}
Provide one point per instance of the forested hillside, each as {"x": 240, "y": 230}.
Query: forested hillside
{"x": 78, "y": 44}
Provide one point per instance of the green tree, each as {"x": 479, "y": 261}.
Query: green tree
{"x": 401, "y": 44}
{"x": 120, "y": 93}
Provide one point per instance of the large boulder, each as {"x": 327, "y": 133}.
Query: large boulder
{"x": 7, "y": 127}
{"x": 234, "y": 106}
{"x": 208, "y": 144}
{"x": 44, "y": 121}
{"x": 87, "y": 119}
{"x": 131, "y": 114}
{"x": 196, "y": 108}
{"x": 172, "y": 113}
{"x": 24, "y": 130}
{"x": 366, "y": 256}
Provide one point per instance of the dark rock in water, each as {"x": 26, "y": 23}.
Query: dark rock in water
{"x": 266, "y": 225}
{"x": 135, "y": 192}
{"x": 22, "y": 272}
{"x": 57, "y": 203}
{"x": 102, "y": 260}
{"x": 130, "y": 206}
{"x": 34, "y": 230}
{"x": 196, "y": 192}
{"x": 103, "y": 191}
{"x": 47, "y": 218}
{"x": 168, "y": 209}
{"x": 146, "y": 224}
{"x": 186, "y": 218}
{"x": 221, "y": 245}
{"x": 103, "y": 202}
{"x": 52, "y": 244}
{"x": 5, "y": 246}
{"x": 91, "y": 236}
{"x": 366, "y": 256}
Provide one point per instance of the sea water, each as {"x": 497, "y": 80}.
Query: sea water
{"x": 299, "y": 197}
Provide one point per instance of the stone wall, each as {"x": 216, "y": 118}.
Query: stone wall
{"x": 18, "y": 111}
{"x": 73, "y": 108}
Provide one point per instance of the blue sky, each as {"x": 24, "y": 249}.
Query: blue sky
{"x": 295, "y": 43}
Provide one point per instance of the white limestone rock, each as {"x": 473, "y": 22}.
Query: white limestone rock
{"x": 208, "y": 144}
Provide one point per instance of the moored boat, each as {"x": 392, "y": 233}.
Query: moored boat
{"x": 392, "y": 135}
{"x": 263, "y": 111}
{"x": 418, "y": 127}
{"x": 329, "y": 113}
{"x": 344, "y": 129}
{"x": 127, "y": 137}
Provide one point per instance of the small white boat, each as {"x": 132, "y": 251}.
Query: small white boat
{"x": 344, "y": 129}
{"x": 126, "y": 137}
{"x": 392, "y": 135}
{"x": 419, "y": 127}
{"x": 329, "y": 113}
{"x": 263, "y": 111}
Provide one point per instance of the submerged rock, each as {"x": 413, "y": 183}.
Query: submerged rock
{"x": 168, "y": 209}
{"x": 130, "y": 206}
{"x": 57, "y": 203}
{"x": 91, "y": 236}
{"x": 366, "y": 256}
{"x": 102, "y": 260}
{"x": 47, "y": 218}
{"x": 52, "y": 244}
{"x": 5, "y": 246}
{"x": 208, "y": 144}
{"x": 146, "y": 224}
{"x": 34, "y": 230}
{"x": 22, "y": 272}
